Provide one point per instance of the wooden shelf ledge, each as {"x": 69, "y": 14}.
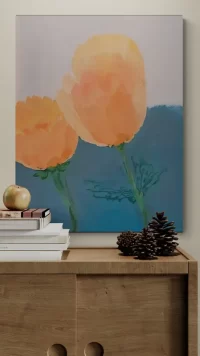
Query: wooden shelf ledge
{"x": 100, "y": 261}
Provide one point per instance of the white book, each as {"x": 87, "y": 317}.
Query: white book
{"x": 30, "y": 256}
{"x": 46, "y": 239}
{"x": 50, "y": 230}
{"x": 35, "y": 247}
{"x": 25, "y": 223}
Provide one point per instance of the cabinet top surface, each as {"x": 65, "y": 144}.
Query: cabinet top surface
{"x": 101, "y": 261}
{"x": 113, "y": 255}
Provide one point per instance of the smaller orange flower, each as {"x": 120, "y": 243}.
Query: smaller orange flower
{"x": 43, "y": 137}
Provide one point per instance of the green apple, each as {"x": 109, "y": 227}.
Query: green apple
{"x": 16, "y": 197}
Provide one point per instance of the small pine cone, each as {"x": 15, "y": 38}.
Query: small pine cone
{"x": 145, "y": 248}
{"x": 126, "y": 242}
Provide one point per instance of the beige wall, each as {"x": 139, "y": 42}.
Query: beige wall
{"x": 190, "y": 9}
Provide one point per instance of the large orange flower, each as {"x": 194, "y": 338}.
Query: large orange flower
{"x": 43, "y": 137}
{"x": 105, "y": 100}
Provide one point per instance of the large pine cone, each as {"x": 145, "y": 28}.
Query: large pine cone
{"x": 164, "y": 232}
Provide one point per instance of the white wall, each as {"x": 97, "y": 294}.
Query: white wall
{"x": 190, "y": 9}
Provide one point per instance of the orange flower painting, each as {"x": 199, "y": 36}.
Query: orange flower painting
{"x": 45, "y": 141}
{"x": 105, "y": 99}
{"x": 43, "y": 138}
{"x": 99, "y": 112}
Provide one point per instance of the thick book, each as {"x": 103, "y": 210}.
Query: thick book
{"x": 52, "y": 229}
{"x": 57, "y": 239}
{"x": 35, "y": 247}
{"x": 25, "y": 223}
{"x": 30, "y": 256}
{"x": 27, "y": 213}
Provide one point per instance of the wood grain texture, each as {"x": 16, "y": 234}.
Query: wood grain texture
{"x": 98, "y": 261}
{"x": 36, "y": 312}
{"x": 129, "y": 307}
{"x": 133, "y": 315}
{"x": 193, "y": 309}
{"x": 111, "y": 255}
{"x": 185, "y": 254}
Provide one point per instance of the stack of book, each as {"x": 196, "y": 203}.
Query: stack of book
{"x": 29, "y": 236}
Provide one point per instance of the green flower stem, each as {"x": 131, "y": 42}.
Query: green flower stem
{"x": 71, "y": 207}
{"x": 136, "y": 193}
{"x": 64, "y": 192}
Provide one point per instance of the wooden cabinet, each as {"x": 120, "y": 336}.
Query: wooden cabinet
{"x": 37, "y": 311}
{"x": 96, "y": 302}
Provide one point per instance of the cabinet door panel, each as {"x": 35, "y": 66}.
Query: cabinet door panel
{"x": 132, "y": 315}
{"x": 37, "y": 311}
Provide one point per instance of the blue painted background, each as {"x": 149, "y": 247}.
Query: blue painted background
{"x": 159, "y": 143}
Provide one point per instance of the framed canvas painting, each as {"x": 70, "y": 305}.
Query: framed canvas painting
{"x": 99, "y": 118}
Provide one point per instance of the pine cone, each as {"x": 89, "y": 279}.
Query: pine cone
{"x": 126, "y": 242}
{"x": 165, "y": 235}
{"x": 145, "y": 247}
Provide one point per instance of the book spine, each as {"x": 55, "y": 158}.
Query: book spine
{"x": 25, "y": 224}
{"x": 34, "y": 247}
{"x": 47, "y": 232}
{"x": 34, "y": 240}
{"x": 28, "y": 213}
{"x": 11, "y": 256}
{"x": 9, "y": 214}
{"x": 40, "y": 213}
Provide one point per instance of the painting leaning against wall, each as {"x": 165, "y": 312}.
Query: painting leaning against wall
{"x": 99, "y": 118}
